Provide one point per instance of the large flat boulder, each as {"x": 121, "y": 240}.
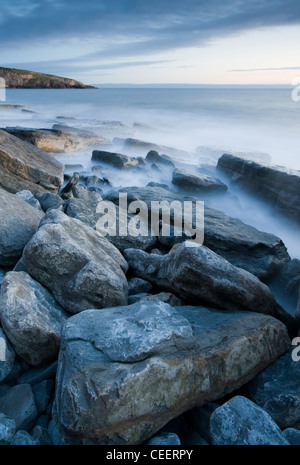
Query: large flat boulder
{"x": 118, "y": 160}
{"x": 196, "y": 182}
{"x": 57, "y": 139}
{"x": 198, "y": 275}
{"x": 25, "y": 167}
{"x": 279, "y": 186}
{"x": 124, "y": 372}
{"x": 260, "y": 253}
{"x": 31, "y": 318}
{"x": 80, "y": 267}
{"x": 19, "y": 221}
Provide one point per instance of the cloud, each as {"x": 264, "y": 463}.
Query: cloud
{"x": 119, "y": 30}
{"x": 285, "y": 68}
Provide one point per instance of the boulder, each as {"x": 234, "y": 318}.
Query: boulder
{"x": 198, "y": 275}
{"x": 81, "y": 268}
{"x": 50, "y": 201}
{"x": 58, "y": 139}
{"x": 289, "y": 278}
{"x": 260, "y": 253}
{"x": 164, "y": 439}
{"x": 117, "y": 160}
{"x": 278, "y": 185}
{"x": 7, "y": 429}
{"x": 19, "y": 404}
{"x": 23, "y": 438}
{"x": 29, "y": 198}
{"x": 7, "y": 356}
{"x": 197, "y": 182}
{"x": 24, "y": 166}
{"x": 155, "y": 157}
{"x": 19, "y": 221}
{"x": 240, "y": 422}
{"x": 292, "y": 435}
{"x": 38, "y": 375}
{"x": 142, "y": 147}
{"x": 138, "y": 285}
{"x": 80, "y": 192}
{"x": 42, "y": 392}
{"x": 31, "y": 318}
{"x": 277, "y": 390}
{"x": 124, "y": 372}
{"x": 166, "y": 297}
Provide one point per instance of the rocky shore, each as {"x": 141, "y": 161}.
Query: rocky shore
{"x": 141, "y": 336}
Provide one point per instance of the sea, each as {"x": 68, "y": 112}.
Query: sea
{"x": 202, "y": 123}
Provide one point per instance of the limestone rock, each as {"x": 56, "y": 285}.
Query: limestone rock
{"x": 31, "y": 318}
{"x": 125, "y": 372}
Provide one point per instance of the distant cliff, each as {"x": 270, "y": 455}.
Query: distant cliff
{"x": 22, "y": 79}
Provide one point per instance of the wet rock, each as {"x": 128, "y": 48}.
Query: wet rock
{"x": 197, "y": 182}
{"x": 198, "y": 275}
{"x": 58, "y": 139}
{"x": 29, "y": 198}
{"x": 117, "y": 160}
{"x": 31, "y": 318}
{"x": 292, "y": 435}
{"x": 50, "y": 201}
{"x": 240, "y": 422}
{"x": 170, "y": 357}
{"x": 277, "y": 390}
{"x": 138, "y": 285}
{"x": 7, "y": 356}
{"x": 19, "y": 221}
{"x": 79, "y": 192}
{"x": 154, "y": 157}
{"x": 81, "y": 268}
{"x": 7, "y": 429}
{"x": 25, "y": 167}
{"x": 19, "y": 404}
{"x": 279, "y": 186}
{"x": 38, "y": 375}
{"x": 260, "y": 253}
{"x": 22, "y": 438}
{"x": 164, "y": 439}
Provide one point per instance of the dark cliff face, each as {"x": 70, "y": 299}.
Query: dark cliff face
{"x": 22, "y": 79}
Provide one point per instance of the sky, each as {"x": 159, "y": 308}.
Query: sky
{"x": 154, "y": 41}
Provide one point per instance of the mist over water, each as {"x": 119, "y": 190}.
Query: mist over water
{"x": 216, "y": 119}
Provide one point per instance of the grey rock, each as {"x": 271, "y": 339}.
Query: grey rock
{"x": 83, "y": 210}
{"x": 29, "y": 198}
{"x": 197, "y": 182}
{"x": 154, "y": 157}
{"x": 289, "y": 277}
{"x": 240, "y": 422}
{"x": 118, "y": 160}
{"x": 81, "y": 268}
{"x": 37, "y": 375}
{"x": 58, "y": 139}
{"x": 142, "y": 147}
{"x": 7, "y": 429}
{"x": 277, "y": 390}
{"x": 166, "y": 297}
{"x": 23, "y": 438}
{"x": 20, "y": 266}
{"x": 42, "y": 392}
{"x": 25, "y": 167}
{"x": 138, "y": 285}
{"x": 79, "y": 192}
{"x": 19, "y": 221}
{"x": 197, "y": 275}
{"x": 19, "y": 404}
{"x": 279, "y": 186}
{"x": 7, "y": 356}
{"x": 132, "y": 299}
{"x": 169, "y": 357}
{"x": 31, "y": 318}
{"x": 41, "y": 435}
{"x": 50, "y": 201}
{"x": 164, "y": 439}
{"x": 2, "y": 274}
{"x": 262, "y": 254}
{"x": 292, "y": 435}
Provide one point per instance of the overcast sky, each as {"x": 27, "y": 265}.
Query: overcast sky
{"x": 154, "y": 41}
